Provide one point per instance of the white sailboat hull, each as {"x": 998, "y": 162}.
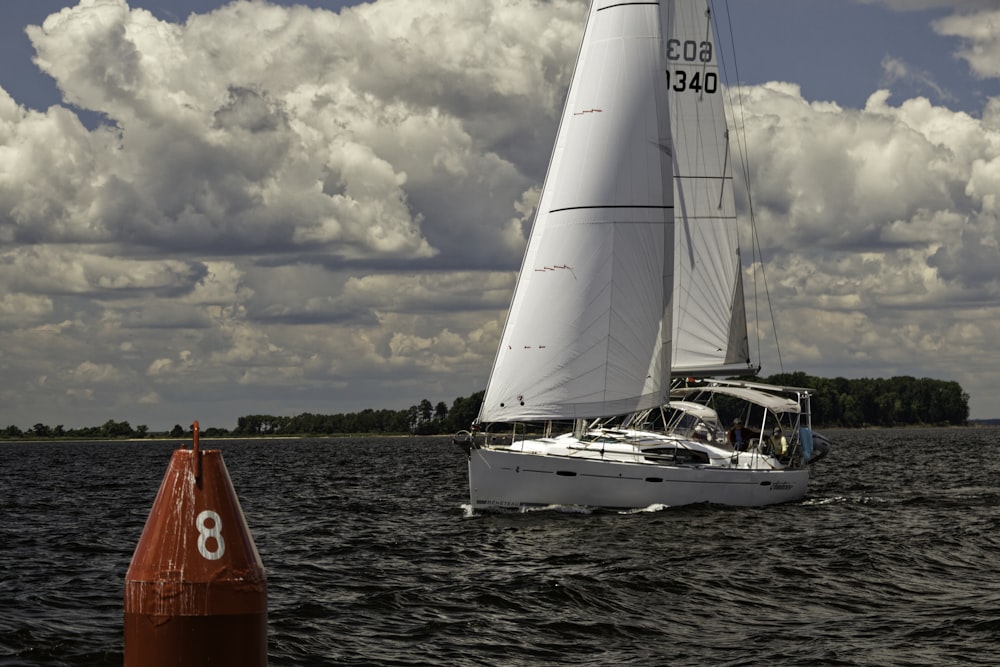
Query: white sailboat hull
{"x": 500, "y": 478}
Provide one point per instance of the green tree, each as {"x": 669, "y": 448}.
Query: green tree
{"x": 113, "y": 429}
{"x": 463, "y": 412}
{"x": 881, "y": 401}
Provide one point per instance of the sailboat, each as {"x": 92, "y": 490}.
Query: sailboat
{"x": 632, "y": 277}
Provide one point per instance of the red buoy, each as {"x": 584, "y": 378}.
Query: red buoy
{"x": 195, "y": 591}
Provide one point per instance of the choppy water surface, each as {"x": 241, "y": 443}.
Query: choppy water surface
{"x": 372, "y": 559}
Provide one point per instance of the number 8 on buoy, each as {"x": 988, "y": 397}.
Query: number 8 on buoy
{"x": 205, "y": 532}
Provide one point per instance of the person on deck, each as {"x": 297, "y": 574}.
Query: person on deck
{"x": 778, "y": 443}
{"x": 739, "y": 435}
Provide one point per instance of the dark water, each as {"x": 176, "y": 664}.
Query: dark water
{"x": 892, "y": 559}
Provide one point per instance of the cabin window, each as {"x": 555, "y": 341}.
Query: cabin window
{"x": 678, "y": 454}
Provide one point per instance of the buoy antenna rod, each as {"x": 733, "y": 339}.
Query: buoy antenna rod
{"x": 196, "y": 453}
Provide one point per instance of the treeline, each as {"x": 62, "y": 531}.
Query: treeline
{"x": 898, "y": 401}
{"x": 422, "y": 419}
{"x": 837, "y": 402}
{"x": 110, "y": 429}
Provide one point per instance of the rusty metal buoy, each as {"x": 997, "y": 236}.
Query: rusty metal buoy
{"x": 196, "y": 591}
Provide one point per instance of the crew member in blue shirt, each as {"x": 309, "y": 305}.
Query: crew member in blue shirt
{"x": 739, "y": 435}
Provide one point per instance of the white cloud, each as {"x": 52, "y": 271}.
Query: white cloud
{"x": 390, "y": 130}
{"x": 980, "y": 32}
{"x": 90, "y": 373}
{"x": 52, "y": 269}
{"x": 922, "y": 5}
{"x": 208, "y": 151}
{"x": 19, "y": 308}
{"x": 886, "y": 230}
{"x": 896, "y": 70}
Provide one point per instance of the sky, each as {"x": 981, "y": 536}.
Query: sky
{"x": 212, "y": 209}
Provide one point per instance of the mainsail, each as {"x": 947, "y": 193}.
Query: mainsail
{"x": 710, "y": 328}
{"x": 589, "y": 328}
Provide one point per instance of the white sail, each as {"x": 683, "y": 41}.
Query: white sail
{"x": 710, "y": 331}
{"x": 589, "y": 327}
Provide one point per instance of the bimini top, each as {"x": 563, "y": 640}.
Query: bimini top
{"x": 699, "y": 410}
{"x": 772, "y": 402}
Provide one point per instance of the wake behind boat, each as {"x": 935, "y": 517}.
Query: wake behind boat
{"x": 632, "y": 271}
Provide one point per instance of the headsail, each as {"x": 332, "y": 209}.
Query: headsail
{"x": 710, "y": 329}
{"x": 589, "y": 328}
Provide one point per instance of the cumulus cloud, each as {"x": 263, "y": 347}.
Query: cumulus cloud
{"x": 980, "y": 33}
{"x": 287, "y": 209}
{"x": 51, "y": 269}
{"x": 922, "y": 5}
{"x": 16, "y": 308}
{"x": 386, "y": 131}
{"x": 257, "y": 171}
{"x": 885, "y": 228}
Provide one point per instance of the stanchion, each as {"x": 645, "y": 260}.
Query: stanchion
{"x": 195, "y": 591}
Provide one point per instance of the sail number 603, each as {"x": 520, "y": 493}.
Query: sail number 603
{"x": 689, "y": 50}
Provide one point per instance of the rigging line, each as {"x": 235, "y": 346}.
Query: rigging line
{"x": 708, "y": 39}
{"x": 695, "y": 177}
{"x": 741, "y": 144}
{"x": 755, "y": 238}
{"x": 592, "y": 207}
{"x": 725, "y": 163}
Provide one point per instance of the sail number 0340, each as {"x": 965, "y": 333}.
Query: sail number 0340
{"x": 690, "y": 51}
